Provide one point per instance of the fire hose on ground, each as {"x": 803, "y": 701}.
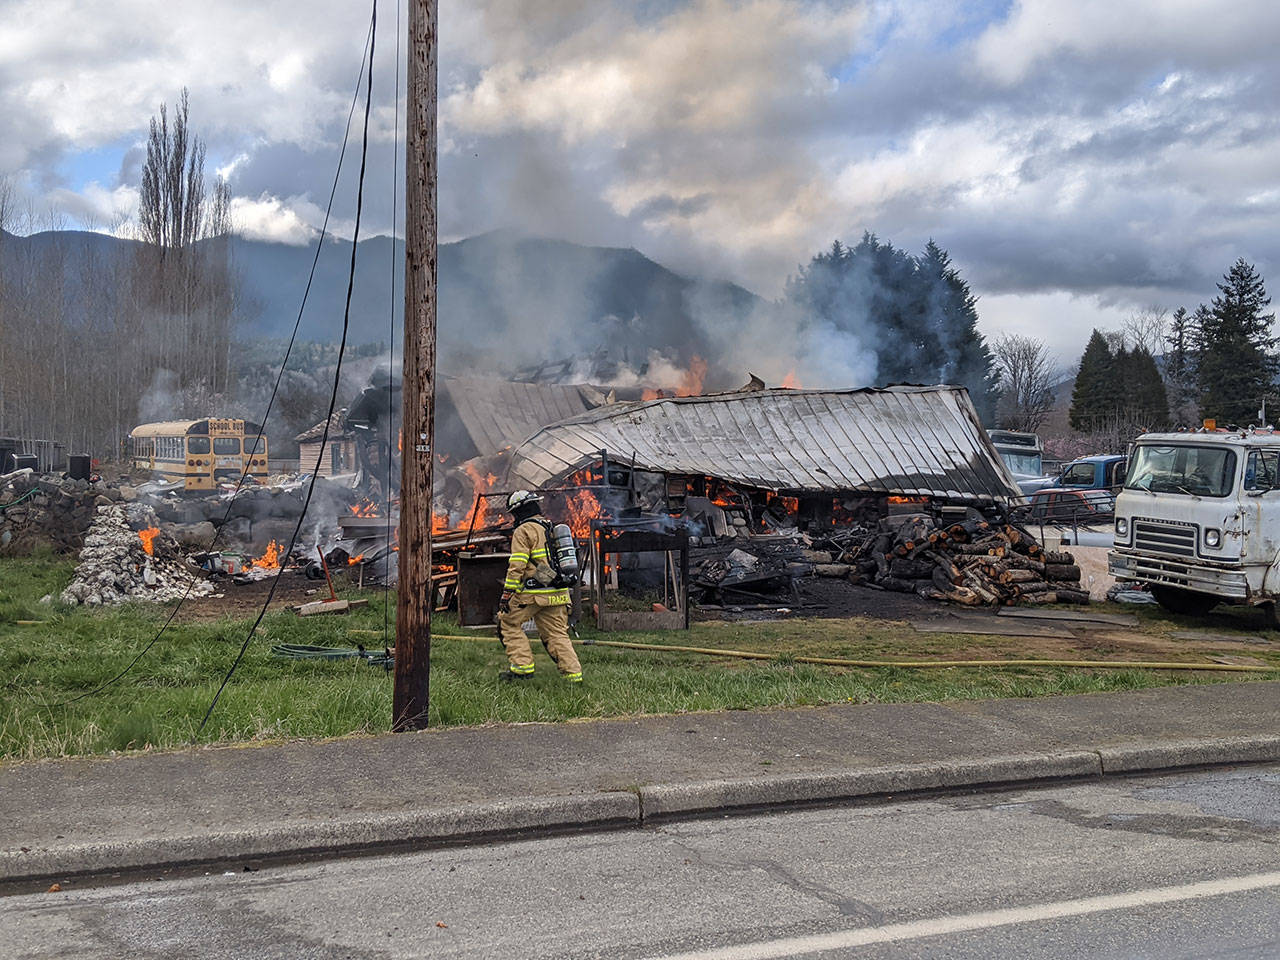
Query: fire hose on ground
{"x": 908, "y": 664}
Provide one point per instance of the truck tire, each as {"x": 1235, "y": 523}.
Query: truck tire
{"x": 1177, "y": 600}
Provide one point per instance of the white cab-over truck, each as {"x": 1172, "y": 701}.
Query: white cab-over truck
{"x": 1199, "y": 519}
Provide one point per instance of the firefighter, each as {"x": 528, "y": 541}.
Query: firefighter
{"x": 533, "y": 591}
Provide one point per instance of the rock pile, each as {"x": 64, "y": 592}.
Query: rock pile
{"x": 115, "y": 566}
{"x": 41, "y": 513}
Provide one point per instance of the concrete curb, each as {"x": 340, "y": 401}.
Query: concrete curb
{"x": 689, "y": 799}
{"x": 1189, "y": 753}
{"x": 435, "y": 825}
{"x": 594, "y": 811}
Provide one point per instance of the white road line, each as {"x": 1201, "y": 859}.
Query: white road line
{"x": 891, "y": 933}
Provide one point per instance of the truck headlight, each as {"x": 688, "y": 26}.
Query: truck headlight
{"x": 1213, "y": 539}
{"x": 1122, "y": 526}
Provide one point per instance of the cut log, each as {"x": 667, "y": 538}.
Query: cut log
{"x": 964, "y": 596}
{"x": 1072, "y": 596}
{"x": 1027, "y": 589}
{"x": 1019, "y": 576}
{"x": 1062, "y": 571}
{"x": 1058, "y": 556}
{"x": 1018, "y": 562}
{"x": 946, "y": 564}
{"x": 984, "y": 591}
{"x": 903, "y": 569}
{"x": 942, "y": 580}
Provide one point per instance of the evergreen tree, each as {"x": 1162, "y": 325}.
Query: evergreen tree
{"x": 1117, "y": 389}
{"x": 1236, "y": 364}
{"x": 965, "y": 357}
{"x": 1181, "y": 360}
{"x": 919, "y": 312}
{"x": 1093, "y": 396}
{"x": 1148, "y": 405}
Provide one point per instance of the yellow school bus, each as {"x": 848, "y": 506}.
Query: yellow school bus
{"x": 200, "y": 453}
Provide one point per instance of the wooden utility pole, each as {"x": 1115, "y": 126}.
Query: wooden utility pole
{"x": 414, "y": 596}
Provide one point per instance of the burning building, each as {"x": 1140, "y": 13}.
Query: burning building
{"x": 897, "y": 486}
{"x": 812, "y": 447}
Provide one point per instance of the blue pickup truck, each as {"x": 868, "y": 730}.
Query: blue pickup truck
{"x": 1094, "y": 473}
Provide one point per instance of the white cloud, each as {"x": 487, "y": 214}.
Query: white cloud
{"x": 270, "y": 219}
{"x": 1203, "y": 33}
{"x": 1068, "y": 151}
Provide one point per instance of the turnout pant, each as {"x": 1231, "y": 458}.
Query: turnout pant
{"x": 553, "y": 628}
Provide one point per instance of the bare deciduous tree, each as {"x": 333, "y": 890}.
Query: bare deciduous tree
{"x": 1146, "y": 328}
{"x": 86, "y": 327}
{"x": 1027, "y": 375}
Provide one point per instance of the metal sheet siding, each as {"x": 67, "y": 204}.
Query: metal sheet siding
{"x": 498, "y": 413}
{"x": 924, "y": 441}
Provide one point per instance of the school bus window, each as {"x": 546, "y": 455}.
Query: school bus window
{"x": 197, "y": 445}
{"x": 226, "y": 446}
{"x": 250, "y": 447}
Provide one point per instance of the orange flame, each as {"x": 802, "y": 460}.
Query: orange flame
{"x": 790, "y": 381}
{"x": 691, "y": 382}
{"x": 690, "y": 385}
{"x": 790, "y": 504}
{"x": 352, "y": 561}
{"x": 148, "y": 537}
{"x": 269, "y": 560}
{"x": 582, "y": 506}
{"x": 366, "y": 509}
{"x": 480, "y": 483}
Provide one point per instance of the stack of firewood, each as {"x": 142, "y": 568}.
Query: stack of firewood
{"x": 975, "y": 563}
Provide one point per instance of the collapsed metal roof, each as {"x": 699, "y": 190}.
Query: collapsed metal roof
{"x": 902, "y": 440}
{"x": 497, "y": 414}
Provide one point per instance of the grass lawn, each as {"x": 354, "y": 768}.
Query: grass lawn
{"x": 160, "y": 702}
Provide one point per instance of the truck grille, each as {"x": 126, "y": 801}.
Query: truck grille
{"x": 1162, "y": 536}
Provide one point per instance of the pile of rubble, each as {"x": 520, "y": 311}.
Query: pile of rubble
{"x": 44, "y": 513}
{"x": 126, "y": 557}
{"x": 975, "y": 562}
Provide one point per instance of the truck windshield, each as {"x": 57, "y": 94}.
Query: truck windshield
{"x": 1023, "y": 464}
{"x": 1188, "y": 470}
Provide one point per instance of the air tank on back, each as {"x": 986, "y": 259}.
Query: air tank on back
{"x": 565, "y": 551}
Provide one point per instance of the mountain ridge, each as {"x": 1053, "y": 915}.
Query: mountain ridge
{"x": 506, "y": 300}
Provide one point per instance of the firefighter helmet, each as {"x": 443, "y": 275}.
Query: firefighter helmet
{"x": 522, "y": 498}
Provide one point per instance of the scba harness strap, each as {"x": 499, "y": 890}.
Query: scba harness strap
{"x": 561, "y": 580}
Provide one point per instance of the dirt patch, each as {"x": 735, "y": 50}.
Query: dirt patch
{"x": 243, "y": 601}
{"x": 843, "y": 599}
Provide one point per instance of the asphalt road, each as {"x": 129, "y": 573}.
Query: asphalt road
{"x": 1170, "y": 867}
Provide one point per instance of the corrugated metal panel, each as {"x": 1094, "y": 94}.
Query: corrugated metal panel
{"x": 501, "y": 413}
{"x": 915, "y": 441}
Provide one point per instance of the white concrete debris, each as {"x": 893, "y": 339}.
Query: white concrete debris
{"x": 114, "y": 567}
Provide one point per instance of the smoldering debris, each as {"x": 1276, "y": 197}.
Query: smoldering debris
{"x": 126, "y": 557}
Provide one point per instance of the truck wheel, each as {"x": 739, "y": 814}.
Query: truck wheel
{"x": 1186, "y": 602}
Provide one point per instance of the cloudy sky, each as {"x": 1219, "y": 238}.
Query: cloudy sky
{"x": 1078, "y": 158}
